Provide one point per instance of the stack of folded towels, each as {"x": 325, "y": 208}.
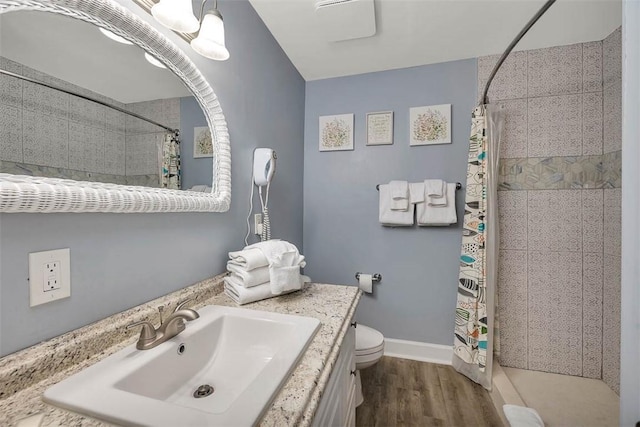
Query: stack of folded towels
{"x": 434, "y": 201}
{"x": 263, "y": 270}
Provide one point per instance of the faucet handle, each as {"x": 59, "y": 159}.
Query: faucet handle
{"x": 147, "y": 334}
{"x": 183, "y": 303}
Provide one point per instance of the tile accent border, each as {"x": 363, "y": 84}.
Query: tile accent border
{"x": 561, "y": 172}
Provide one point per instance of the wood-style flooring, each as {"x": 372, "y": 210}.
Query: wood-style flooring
{"x": 400, "y": 392}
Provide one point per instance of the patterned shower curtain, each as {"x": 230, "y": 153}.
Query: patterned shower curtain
{"x": 478, "y": 260}
{"x": 169, "y": 161}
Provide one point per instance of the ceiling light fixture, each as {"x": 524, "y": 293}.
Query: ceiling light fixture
{"x": 177, "y": 15}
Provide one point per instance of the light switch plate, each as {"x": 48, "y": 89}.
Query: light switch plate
{"x": 49, "y": 276}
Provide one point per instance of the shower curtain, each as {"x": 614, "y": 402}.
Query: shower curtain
{"x": 169, "y": 161}
{"x": 473, "y": 335}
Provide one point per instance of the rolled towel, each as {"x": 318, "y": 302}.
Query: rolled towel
{"x": 284, "y": 273}
{"x": 416, "y": 192}
{"x": 284, "y": 264}
{"x": 241, "y": 295}
{"x": 435, "y": 190}
{"x": 429, "y": 215}
{"x": 389, "y": 217}
{"x": 248, "y": 258}
{"x": 249, "y": 278}
{"x": 399, "y": 191}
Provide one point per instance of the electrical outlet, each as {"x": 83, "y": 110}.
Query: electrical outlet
{"x": 49, "y": 276}
{"x": 51, "y": 280}
{"x": 257, "y": 220}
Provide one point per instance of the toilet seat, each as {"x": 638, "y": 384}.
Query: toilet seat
{"x": 369, "y": 346}
{"x": 367, "y": 339}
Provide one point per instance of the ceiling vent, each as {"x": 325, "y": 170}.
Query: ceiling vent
{"x": 346, "y": 19}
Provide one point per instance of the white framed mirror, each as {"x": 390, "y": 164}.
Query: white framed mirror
{"x": 25, "y": 192}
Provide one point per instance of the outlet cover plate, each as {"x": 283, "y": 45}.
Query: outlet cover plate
{"x": 38, "y": 274}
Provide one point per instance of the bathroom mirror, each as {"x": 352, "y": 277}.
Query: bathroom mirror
{"x": 110, "y": 156}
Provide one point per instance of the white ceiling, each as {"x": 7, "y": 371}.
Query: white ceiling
{"x": 419, "y": 32}
{"x": 77, "y": 52}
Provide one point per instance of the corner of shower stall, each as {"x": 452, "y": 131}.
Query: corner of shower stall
{"x": 560, "y": 400}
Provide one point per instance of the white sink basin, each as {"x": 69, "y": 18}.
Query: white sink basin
{"x": 245, "y": 355}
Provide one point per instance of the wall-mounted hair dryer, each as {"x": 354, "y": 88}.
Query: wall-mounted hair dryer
{"x": 264, "y": 166}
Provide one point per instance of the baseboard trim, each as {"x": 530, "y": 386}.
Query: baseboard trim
{"x": 421, "y": 351}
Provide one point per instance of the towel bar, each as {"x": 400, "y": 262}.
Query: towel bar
{"x": 376, "y": 277}
{"x": 458, "y": 186}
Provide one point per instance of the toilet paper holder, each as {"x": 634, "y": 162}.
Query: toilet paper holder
{"x": 376, "y": 277}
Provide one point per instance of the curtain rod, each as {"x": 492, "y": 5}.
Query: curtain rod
{"x": 88, "y": 98}
{"x": 513, "y": 44}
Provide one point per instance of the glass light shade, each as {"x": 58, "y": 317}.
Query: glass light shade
{"x": 153, "y": 61}
{"x": 114, "y": 37}
{"x": 176, "y": 15}
{"x": 210, "y": 40}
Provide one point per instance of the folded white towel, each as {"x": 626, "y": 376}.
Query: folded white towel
{"x": 284, "y": 264}
{"x": 520, "y": 416}
{"x": 399, "y": 191}
{"x": 416, "y": 192}
{"x": 250, "y": 278}
{"x": 436, "y": 190}
{"x": 390, "y": 217}
{"x": 248, "y": 258}
{"x": 434, "y": 187}
{"x": 429, "y": 215}
{"x": 241, "y": 295}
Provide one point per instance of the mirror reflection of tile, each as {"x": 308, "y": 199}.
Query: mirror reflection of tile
{"x": 54, "y": 134}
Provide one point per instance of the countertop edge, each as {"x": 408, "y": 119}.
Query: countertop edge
{"x": 309, "y": 411}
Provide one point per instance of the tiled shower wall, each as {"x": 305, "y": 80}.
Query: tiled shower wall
{"x": 559, "y": 201}
{"x": 45, "y": 132}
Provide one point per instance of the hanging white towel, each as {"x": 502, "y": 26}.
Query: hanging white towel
{"x": 416, "y": 192}
{"x": 436, "y": 191}
{"x": 249, "y": 278}
{"x": 248, "y": 258}
{"x": 434, "y": 187}
{"x": 284, "y": 264}
{"x": 389, "y": 217}
{"x": 399, "y": 191}
{"x": 241, "y": 295}
{"x": 429, "y": 215}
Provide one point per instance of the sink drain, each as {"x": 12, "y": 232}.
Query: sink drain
{"x": 203, "y": 391}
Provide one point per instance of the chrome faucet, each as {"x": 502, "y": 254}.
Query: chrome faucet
{"x": 151, "y": 337}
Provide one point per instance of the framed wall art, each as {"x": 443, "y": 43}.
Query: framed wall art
{"x": 430, "y": 125}
{"x": 336, "y": 132}
{"x": 380, "y": 128}
{"x": 202, "y": 143}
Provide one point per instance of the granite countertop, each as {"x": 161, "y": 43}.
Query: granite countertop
{"x": 25, "y": 375}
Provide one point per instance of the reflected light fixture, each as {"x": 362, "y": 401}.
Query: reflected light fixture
{"x": 114, "y": 37}
{"x": 150, "y": 58}
{"x": 177, "y": 15}
{"x": 153, "y": 61}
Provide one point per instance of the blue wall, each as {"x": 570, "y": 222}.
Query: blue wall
{"x": 194, "y": 171}
{"x": 416, "y": 299}
{"x": 119, "y": 261}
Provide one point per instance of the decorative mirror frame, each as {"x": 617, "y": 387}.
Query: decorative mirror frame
{"x": 21, "y": 193}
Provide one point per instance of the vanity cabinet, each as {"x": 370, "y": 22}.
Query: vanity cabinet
{"x": 338, "y": 403}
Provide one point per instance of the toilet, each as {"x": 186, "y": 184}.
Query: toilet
{"x": 369, "y": 350}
